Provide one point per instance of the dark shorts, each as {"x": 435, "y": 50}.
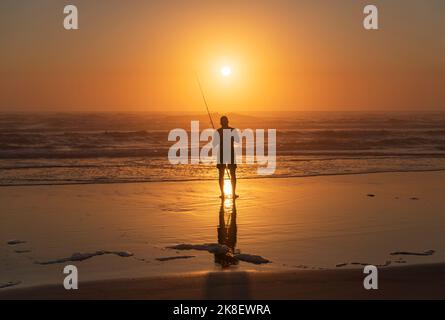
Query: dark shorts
{"x": 224, "y": 166}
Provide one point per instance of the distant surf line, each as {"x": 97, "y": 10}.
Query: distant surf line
{"x": 212, "y": 179}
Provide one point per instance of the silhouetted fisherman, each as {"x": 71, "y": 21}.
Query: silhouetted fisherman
{"x": 230, "y": 163}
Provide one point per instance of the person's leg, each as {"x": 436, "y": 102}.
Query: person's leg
{"x": 233, "y": 179}
{"x": 221, "y": 180}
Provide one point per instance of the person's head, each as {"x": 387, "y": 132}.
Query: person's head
{"x": 224, "y": 121}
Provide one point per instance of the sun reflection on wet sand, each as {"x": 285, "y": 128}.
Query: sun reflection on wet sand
{"x": 227, "y": 188}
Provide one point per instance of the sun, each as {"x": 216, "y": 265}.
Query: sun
{"x": 226, "y": 71}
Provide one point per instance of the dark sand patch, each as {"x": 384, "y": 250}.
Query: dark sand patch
{"x": 400, "y": 260}
{"x": 221, "y": 249}
{"x": 305, "y": 267}
{"x": 15, "y": 242}
{"x": 22, "y": 251}
{"x": 363, "y": 264}
{"x": 250, "y": 258}
{"x": 84, "y": 256}
{"x": 174, "y": 258}
{"x": 340, "y": 265}
{"x": 407, "y": 253}
{"x": 9, "y": 284}
{"x": 387, "y": 263}
{"x": 210, "y": 247}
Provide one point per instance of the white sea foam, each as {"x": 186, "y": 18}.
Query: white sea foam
{"x": 84, "y": 256}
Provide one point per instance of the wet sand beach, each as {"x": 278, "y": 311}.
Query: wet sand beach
{"x": 303, "y": 235}
{"x": 408, "y": 282}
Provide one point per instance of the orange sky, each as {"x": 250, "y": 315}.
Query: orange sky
{"x": 285, "y": 55}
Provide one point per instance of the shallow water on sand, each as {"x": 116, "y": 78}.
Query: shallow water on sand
{"x": 295, "y": 223}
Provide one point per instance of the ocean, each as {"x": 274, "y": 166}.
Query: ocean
{"x": 78, "y": 148}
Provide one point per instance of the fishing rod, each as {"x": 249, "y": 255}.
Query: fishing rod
{"x": 208, "y": 111}
{"x": 205, "y": 101}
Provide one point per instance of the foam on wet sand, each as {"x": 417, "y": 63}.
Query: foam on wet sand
{"x": 78, "y": 256}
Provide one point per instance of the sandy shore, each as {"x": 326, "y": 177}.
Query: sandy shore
{"x": 408, "y": 282}
{"x": 307, "y": 233}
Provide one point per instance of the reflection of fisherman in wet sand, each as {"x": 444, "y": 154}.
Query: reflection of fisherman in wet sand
{"x": 227, "y": 230}
{"x": 226, "y": 162}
